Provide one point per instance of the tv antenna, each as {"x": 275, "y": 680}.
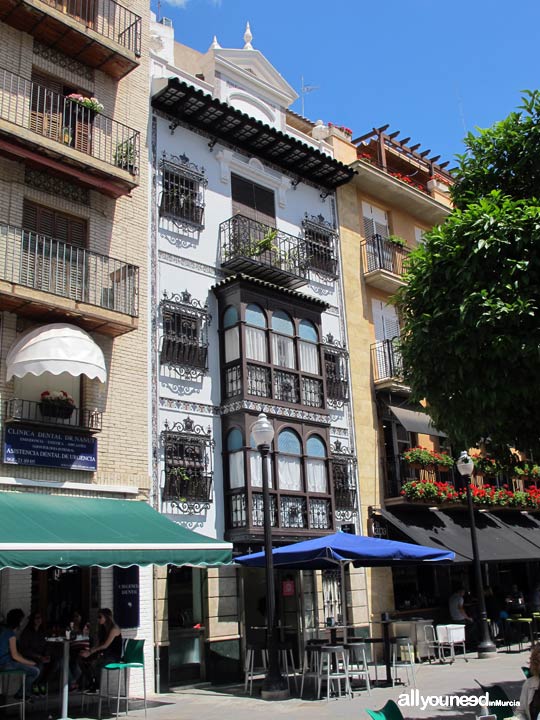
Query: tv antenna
{"x": 304, "y": 91}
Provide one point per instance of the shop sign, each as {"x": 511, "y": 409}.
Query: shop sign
{"x": 287, "y": 588}
{"x": 126, "y": 591}
{"x": 49, "y": 448}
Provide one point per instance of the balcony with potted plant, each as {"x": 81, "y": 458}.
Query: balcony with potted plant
{"x": 55, "y": 408}
{"x": 383, "y": 260}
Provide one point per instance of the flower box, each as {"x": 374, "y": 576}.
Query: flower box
{"x": 56, "y": 409}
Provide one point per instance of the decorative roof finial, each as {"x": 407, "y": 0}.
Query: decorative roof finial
{"x": 248, "y": 37}
{"x": 215, "y": 45}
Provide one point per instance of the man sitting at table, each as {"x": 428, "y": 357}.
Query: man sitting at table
{"x": 33, "y": 646}
{"x": 11, "y": 658}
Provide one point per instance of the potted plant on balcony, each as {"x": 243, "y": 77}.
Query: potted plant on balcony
{"x": 419, "y": 457}
{"x": 56, "y": 404}
{"x": 397, "y": 240}
{"x": 90, "y": 103}
{"x": 125, "y": 156}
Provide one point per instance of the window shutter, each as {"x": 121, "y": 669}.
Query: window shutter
{"x": 375, "y": 221}
{"x": 253, "y": 201}
{"x": 47, "y": 105}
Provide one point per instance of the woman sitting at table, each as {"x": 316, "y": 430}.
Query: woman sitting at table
{"x": 529, "y": 700}
{"x": 11, "y": 658}
{"x": 33, "y": 645}
{"x": 107, "y": 650}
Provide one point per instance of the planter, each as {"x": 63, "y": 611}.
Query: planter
{"x": 56, "y": 409}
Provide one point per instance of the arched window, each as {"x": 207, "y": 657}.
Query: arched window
{"x": 231, "y": 334}
{"x": 289, "y": 461}
{"x": 282, "y": 340}
{"x": 235, "y": 449}
{"x": 256, "y": 348}
{"x": 308, "y": 348}
{"x": 255, "y": 466}
{"x": 316, "y": 469}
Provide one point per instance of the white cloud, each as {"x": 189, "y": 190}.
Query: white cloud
{"x": 177, "y": 3}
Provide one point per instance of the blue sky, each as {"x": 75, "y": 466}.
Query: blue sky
{"x": 431, "y": 69}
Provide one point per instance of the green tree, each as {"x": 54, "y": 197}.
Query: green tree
{"x": 471, "y": 305}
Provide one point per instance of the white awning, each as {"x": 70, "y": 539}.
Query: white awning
{"x": 416, "y": 422}
{"x": 56, "y": 348}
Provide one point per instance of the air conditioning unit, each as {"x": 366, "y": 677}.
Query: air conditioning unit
{"x": 166, "y": 21}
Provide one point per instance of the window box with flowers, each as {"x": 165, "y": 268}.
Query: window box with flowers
{"x": 345, "y": 132}
{"x": 526, "y": 472}
{"x": 56, "y": 404}
{"x": 438, "y": 493}
{"x": 90, "y": 103}
{"x": 485, "y": 465}
{"x": 422, "y": 458}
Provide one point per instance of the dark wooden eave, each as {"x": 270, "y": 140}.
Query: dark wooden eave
{"x": 319, "y": 305}
{"x": 56, "y": 28}
{"x": 197, "y": 109}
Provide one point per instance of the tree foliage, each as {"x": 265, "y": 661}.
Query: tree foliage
{"x": 471, "y": 305}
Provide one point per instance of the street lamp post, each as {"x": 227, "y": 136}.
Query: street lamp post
{"x": 274, "y": 685}
{"x": 486, "y": 646}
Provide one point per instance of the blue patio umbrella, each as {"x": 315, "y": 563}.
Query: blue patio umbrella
{"x": 342, "y": 548}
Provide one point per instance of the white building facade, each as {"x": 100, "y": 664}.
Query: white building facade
{"x": 247, "y": 316}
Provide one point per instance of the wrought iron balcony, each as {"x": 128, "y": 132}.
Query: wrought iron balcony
{"x": 100, "y": 33}
{"x": 383, "y": 263}
{"x": 183, "y": 485}
{"x": 36, "y": 413}
{"x": 181, "y": 350}
{"x": 259, "y": 382}
{"x": 286, "y": 387}
{"x": 398, "y": 471}
{"x": 262, "y": 251}
{"x": 51, "y": 266}
{"x": 71, "y": 130}
{"x": 386, "y": 363}
{"x": 312, "y": 392}
{"x": 288, "y": 512}
{"x": 321, "y": 257}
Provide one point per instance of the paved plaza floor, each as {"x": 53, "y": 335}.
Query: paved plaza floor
{"x": 230, "y": 703}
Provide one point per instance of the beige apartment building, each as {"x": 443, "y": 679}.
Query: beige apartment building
{"x": 74, "y": 87}
{"x": 398, "y": 192}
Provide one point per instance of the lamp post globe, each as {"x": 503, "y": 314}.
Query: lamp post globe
{"x": 274, "y": 686}
{"x": 486, "y": 647}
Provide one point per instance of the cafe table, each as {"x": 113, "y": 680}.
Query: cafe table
{"x": 67, "y": 644}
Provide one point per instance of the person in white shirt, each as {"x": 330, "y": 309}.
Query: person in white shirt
{"x": 529, "y": 700}
{"x": 456, "y": 607}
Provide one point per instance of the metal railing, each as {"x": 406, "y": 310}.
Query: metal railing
{"x": 321, "y": 257}
{"x": 312, "y": 392}
{"x": 188, "y": 483}
{"x": 183, "y": 351}
{"x": 259, "y": 382}
{"x": 181, "y": 206}
{"x": 106, "y": 17}
{"x": 398, "y": 471}
{"x": 44, "y": 263}
{"x": 73, "y": 418}
{"x": 286, "y": 387}
{"x": 244, "y": 238}
{"x": 386, "y": 360}
{"x": 381, "y": 254}
{"x": 68, "y": 123}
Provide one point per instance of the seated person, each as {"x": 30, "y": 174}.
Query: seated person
{"x": 529, "y": 700}
{"x": 11, "y": 658}
{"x": 33, "y": 645}
{"x": 515, "y": 602}
{"x": 108, "y": 649}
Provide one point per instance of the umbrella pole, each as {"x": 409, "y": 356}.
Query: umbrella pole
{"x": 343, "y": 600}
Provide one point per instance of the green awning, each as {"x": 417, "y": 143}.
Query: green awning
{"x": 42, "y": 531}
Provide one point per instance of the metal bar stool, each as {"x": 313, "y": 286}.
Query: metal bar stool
{"x": 403, "y": 657}
{"x": 250, "y": 669}
{"x": 5, "y": 677}
{"x": 133, "y": 660}
{"x": 286, "y": 661}
{"x": 358, "y": 666}
{"x": 334, "y": 667}
{"x": 310, "y": 665}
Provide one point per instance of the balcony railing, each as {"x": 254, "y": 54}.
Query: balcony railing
{"x": 263, "y": 251}
{"x": 50, "y": 115}
{"x": 286, "y": 387}
{"x": 52, "y": 266}
{"x": 189, "y": 484}
{"x": 259, "y": 382}
{"x": 183, "y": 351}
{"x": 106, "y": 17}
{"x": 34, "y": 412}
{"x": 181, "y": 206}
{"x": 386, "y": 361}
{"x": 398, "y": 471}
{"x": 321, "y": 257}
{"x": 312, "y": 392}
{"x": 381, "y": 254}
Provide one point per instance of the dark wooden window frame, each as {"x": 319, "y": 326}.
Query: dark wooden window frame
{"x": 184, "y": 344}
{"x": 246, "y": 494}
{"x": 188, "y": 450}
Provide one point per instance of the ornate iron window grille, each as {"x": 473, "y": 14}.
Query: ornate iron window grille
{"x": 320, "y": 239}
{"x": 337, "y": 376}
{"x": 182, "y": 196}
{"x": 344, "y": 482}
{"x": 185, "y": 334}
{"x": 188, "y": 471}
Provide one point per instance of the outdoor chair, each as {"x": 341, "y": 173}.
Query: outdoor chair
{"x": 403, "y": 657}
{"x": 333, "y": 667}
{"x": 5, "y": 678}
{"x": 525, "y": 670}
{"x": 358, "y": 665}
{"x": 497, "y": 694}
{"x": 133, "y": 660}
{"x": 286, "y": 661}
{"x": 433, "y": 645}
{"x": 448, "y": 636}
{"x": 389, "y": 712}
{"x": 310, "y": 665}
